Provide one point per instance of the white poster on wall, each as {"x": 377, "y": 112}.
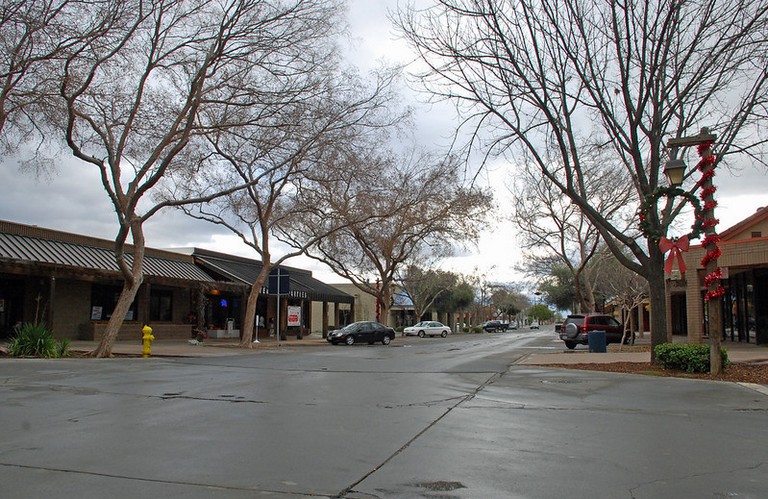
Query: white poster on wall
{"x": 96, "y": 313}
{"x": 294, "y": 316}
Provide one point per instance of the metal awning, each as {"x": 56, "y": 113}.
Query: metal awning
{"x": 42, "y": 247}
{"x": 244, "y": 270}
{"x": 31, "y": 246}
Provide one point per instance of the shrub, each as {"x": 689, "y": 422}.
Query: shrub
{"x": 35, "y": 340}
{"x": 63, "y": 348}
{"x": 689, "y": 358}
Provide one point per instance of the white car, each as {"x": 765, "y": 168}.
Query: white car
{"x": 427, "y": 328}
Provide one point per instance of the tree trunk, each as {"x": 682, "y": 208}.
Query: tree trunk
{"x": 658, "y": 300}
{"x": 132, "y": 279}
{"x": 633, "y": 320}
{"x": 250, "y": 307}
{"x": 385, "y": 298}
{"x": 589, "y": 297}
{"x": 579, "y": 293}
{"x": 127, "y": 295}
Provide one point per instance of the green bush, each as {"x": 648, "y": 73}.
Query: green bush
{"x": 689, "y": 358}
{"x": 35, "y": 340}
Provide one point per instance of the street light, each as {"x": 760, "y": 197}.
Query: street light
{"x": 675, "y": 170}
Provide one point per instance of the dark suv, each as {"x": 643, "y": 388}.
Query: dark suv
{"x": 494, "y": 326}
{"x": 576, "y": 327}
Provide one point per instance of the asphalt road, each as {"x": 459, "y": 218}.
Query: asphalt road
{"x": 434, "y": 418}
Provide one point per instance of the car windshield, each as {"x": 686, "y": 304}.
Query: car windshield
{"x": 575, "y": 320}
{"x": 420, "y": 324}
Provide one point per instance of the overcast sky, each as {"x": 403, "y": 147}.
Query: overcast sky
{"x": 74, "y": 200}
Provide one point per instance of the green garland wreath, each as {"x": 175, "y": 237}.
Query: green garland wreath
{"x": 649, "y": 203}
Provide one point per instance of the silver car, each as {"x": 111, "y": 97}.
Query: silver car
{"x": 427, "y": 328}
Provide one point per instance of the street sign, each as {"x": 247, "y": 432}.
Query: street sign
{"x": 279, "y": 282}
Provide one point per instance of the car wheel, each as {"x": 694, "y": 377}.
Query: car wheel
{"x": 444, "y": 334}
{"x": 570, "y": 344}
{"x": 385, "y": 340}
{"x": 350, "y": 340}
{"x": 421, "y": 334}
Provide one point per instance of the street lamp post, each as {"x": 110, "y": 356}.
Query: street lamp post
{"x": 674, "y": 170}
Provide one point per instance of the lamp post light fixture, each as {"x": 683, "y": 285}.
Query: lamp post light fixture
{"x": 675, "y": 171}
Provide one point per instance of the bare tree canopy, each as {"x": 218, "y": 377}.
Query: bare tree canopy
{"x": 167, "y": 71}
{"x": 405, "y": 205}
{"x": 556, "y": 80}
{"x": 551, "y": 225}
{"x": 36, "y": 36}
{"x": 424, "y": 286}
{"x": 267, "y": 160}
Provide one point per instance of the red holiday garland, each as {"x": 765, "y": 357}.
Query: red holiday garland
{"x": 707, "y": 168}
{"x": 710, "y": 222}
{"x": 711, "y": 278}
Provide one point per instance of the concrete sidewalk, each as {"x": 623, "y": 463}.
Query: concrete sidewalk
{"x": 209, "y": 348}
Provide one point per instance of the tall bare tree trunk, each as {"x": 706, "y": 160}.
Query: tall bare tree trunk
{"x": 250, "y": 308}
{"x": 657, "y": 299}
{"x": 385, "y": 298}
{"x": 133, "y": 276}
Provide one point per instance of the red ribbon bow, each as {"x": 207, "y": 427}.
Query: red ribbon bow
{"x": 675, "y": 249}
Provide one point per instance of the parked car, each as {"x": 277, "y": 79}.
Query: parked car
{"x": 494, "y": 326}
{"x": 576, "y": 327}
{"x": 512, "y": 325}
{"x": 427, "y": 328}
{"x": 362, "y": 332}
{"x": 534, "y": 325}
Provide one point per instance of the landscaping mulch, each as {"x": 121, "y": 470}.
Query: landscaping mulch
{"x": 740, "y": 372}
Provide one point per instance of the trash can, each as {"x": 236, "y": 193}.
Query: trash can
{"x": 596, "y": 341}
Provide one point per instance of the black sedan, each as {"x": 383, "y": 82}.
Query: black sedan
{"x": 362, "y": 332}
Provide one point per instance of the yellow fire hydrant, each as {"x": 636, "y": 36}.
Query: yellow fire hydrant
{"x": 147, "y": 338}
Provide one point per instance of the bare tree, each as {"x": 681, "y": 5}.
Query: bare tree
{"x": 169, "y": 70}
{"x": 508, "y": 301}
{"x": 405, "y": 205}
{"x": 550, "y": 224}
{"x": 276, "y": 152}
{"x": 555, "y": 78}
{"x": 623, "y": 288}
{"x": 424, "y": 286}
{"x": 35, "y": 37}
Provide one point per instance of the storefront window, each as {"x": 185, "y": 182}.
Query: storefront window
{"x": 103, "y": 301}
{"x": 161, "y": 305}
{"x": 223, "y": 307}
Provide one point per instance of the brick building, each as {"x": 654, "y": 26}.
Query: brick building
{"x": 744, "y": 262}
